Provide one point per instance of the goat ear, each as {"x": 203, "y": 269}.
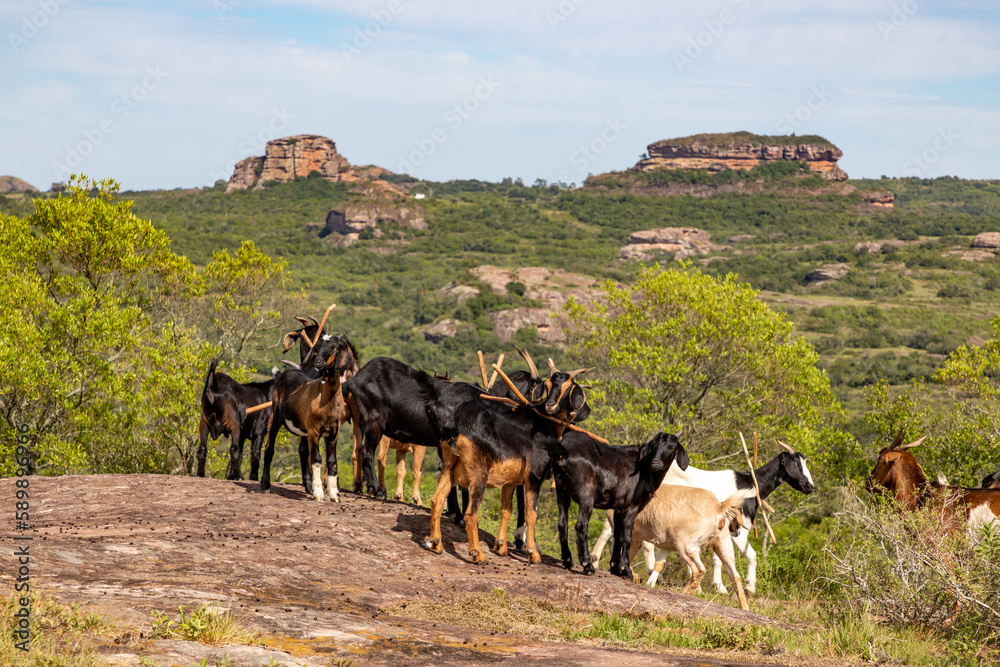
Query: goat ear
{"x": 682, "y": 459}
{"x": 577, "y": 398}
{"x": 537, "y": 393}
{"x": 343, "y": 359}
{"x": 290, "y": 339}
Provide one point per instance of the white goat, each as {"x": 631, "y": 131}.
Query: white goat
{"x": 689, "y": 520}
{"x": 789, "y": 466}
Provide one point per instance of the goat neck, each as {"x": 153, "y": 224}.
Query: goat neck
{"x": 771, "y": 475}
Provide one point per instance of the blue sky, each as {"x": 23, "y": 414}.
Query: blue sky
{"x": 172, "y": 94}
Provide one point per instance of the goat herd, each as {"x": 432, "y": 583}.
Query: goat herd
{"x": 513, "y": 435}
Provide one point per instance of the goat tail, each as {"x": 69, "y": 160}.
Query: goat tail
{"x": 208, "y": 392}
{"x": 732, "y": 506}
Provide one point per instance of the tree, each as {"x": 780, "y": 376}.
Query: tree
{"x": 103, "y": 340}
{"x": 961, "y": 421}
{"x": 679, "y": 349}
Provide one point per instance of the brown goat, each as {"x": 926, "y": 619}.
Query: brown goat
{"x": 898, "y": 472}
{"x": 402, "y": 449}
{"x": 311, "y": 408}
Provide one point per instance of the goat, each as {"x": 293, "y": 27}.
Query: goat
{"x": 488, "y": 446}
{"x": 315, "y": 347}
{"x": 991, "y": 481}
{"x": 620, "y": 478}
{"x": 898, "y": 472}
{"x": 401, "y": 448}
{"x": 311, "y": 408}
{"x": 789, "y": 466}
{"x": 224, "y": 402}
{"x": 689, "y": 520}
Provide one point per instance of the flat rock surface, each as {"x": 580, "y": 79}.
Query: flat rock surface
{"x": 311, "y": 577}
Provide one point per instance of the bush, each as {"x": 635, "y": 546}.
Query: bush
{"x": 910, "y": 571}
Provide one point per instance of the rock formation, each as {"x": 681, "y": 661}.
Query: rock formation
{"x": 989, "y": 240}
{"x": 370, "y": 205}
{"x": 879, "y": 198}
{"x": 441, "y": 330}
{"x": 683, "y": 242}
{"x": 828, "y": 272}
{"x": 552, "y": 287}
{"x": 742, "y": 150}
{"x": 15, "y": 184}
{"x": 289, "y": 158}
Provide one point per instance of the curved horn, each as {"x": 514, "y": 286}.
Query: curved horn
{"x": 304, "y": 321}
{"x": 573, "y": 374}
{"x": 790, "y": 450}
{"x": 319, "y": 332}
{"x": 552, "y": 365}
{"x": 897, "y": 441}
{"x": 911, "y": 444}
{"x": 528, "y": 360}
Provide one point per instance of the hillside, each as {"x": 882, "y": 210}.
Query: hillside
{"x": 317, "y": 584}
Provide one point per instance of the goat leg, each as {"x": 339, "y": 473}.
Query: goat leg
{"x": 256, "y": 442}
{"x": 519, "y": 542}
{"x": 332, "y": 479}
{"x": 316, "y": 464}
{"x": 530, "y": 502}
{"x": 506, "y": 503}
{"x": 202, "y": 445}
{"x": 563, "y": 500}
{"x": 272, "y": 432}
{"x": 400, "y": 473}
{"x": 582, "y": 525}
{"x": 304, "y": 462}
{"x": 477, "y": 489}
{"x": 418, "y": 465}
{"x": 437, "y": 504}
{"x": 235, "y": 455}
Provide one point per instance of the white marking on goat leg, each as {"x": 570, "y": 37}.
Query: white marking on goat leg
{"x": 317, "y": 480}
{"x": 295, "y": 429}
{"x": 333, "y": 488}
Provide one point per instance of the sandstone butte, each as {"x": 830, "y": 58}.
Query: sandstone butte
{"x": 294, "y": 157}
{"x": 742, "y": 150}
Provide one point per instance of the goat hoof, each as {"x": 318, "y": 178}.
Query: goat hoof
{"x": 434, "y": 546}
{"x": 635, "y": 578}
{"x": 534, "y": 558}
{"x": 398, "y": 496}
{"x": 500, "y": 549}
{"x": 568, "y": 563}
{"x": 477, "y": 557}
{"x": 460, "y": 521}
{"x": 588, "y": 569}
{"x": 519, "y": 543}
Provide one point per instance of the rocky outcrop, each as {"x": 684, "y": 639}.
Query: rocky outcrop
{"x": 553, "y": 288}
{"x": 441, "y": 330}
{"x": 457, "y": 293}
{"x": 990, "y": 240}
{"x": 289, "y": 158}
{"x": 875, "y": 247}
{"x": 879, "y": 198}
{"x": 742, "y": 150}
{"x": 682, "y": 242}
{"x": 371, "y": 205}
{"x": 828, "y": 272}
{"x": 15, "y": 184}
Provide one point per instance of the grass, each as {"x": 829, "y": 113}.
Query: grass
{"x": 816, "y": 635}
{"x": 205, "y": 624}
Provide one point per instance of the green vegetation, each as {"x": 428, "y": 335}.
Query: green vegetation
{"x": 732, "y": 138}
{"x": 906, "y": 339}
{"x": 207, "y": 624}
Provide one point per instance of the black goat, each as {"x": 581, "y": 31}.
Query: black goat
{"x": 991, "y": 481}
{"x": 312, "y": 408}
{"x": 620, "y": 478}
{"x": 313, "y": 359}
{"x": 224, "y": 403}
{"x": 487, "y": 447}
{"x": 390, "y": 398}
